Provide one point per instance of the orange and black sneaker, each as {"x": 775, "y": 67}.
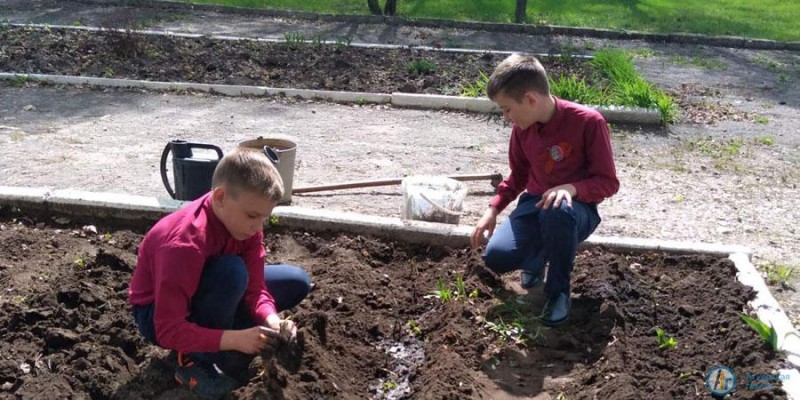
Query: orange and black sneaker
{"x": 203, "y": 380}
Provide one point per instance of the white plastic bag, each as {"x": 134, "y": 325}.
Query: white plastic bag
{"x": 433, "y": 198}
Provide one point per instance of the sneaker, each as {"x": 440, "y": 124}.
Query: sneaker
{"x": 203, "y": 380}
{"x": 529, "y": 280}
{"x": 533, "y": 277}
{"x": 556, "y": 309}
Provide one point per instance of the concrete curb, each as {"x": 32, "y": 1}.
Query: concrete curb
{"x": 141, "y": 208}
{"x": 625, "y": 115}
{"x": 680, "y": 38}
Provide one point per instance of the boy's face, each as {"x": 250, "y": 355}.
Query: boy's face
{"x": 244, "y": 214}
{"x": 521, "y": 113}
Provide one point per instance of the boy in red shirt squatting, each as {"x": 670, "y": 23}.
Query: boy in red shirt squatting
{"x": 200, "y": 284}
{"x": 560, "y": 156}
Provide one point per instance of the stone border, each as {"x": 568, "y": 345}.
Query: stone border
{"x": 149, "y": 209}
{"x": 680, "y": 38}
{"x": 612, "y": 114}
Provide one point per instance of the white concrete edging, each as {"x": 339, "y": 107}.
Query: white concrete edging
{"x": 612, "y": 114}
{"x": 129, "y": 207}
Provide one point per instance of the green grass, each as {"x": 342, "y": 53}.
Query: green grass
{"x": 767, "y": 19}
{"x": 628, "y": 88}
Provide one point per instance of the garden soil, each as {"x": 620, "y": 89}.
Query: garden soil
{"x": 371, "y": 328}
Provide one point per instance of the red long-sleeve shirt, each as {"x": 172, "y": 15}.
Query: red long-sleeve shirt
{"x": 170, "y": 262}
{"x": 573, "y": 147}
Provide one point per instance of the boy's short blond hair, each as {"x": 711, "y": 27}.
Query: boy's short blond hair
{"x": 517, "y": 75}
{"x": 248, "y": 170}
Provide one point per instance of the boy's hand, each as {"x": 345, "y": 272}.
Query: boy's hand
{"x": 284, "y": 327}
{"x": 248, "y": 341}
{"x": 487, "y": 223}
{"x": 556, "y": 194}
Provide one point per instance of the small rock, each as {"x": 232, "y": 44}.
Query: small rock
{"x": 25, "y": 368}
{"x": 90, "y": 229}
{"x": 29, "y": 107}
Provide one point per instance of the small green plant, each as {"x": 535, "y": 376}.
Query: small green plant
{"x": 767, "y": 333}
{"x": 667, "y": 107}
{"x": 273, "y": 220}
{"x": 767, "y": 62}
{"x": 461, "y": 289}
{"x": 779, "y": 274}
{"x": 19, "y": 81}
{"x": 474, "y": 293}
{"x": 343, "y": 41}
{"x": 108, "y": 72}
{"x": 524, "y": 326}
{"x": 761, "y": 119}
{"x": 683, "y": 375}
{"x": 80, "y": 262}
{"x": 294, "y": 39}
{"x": 18, "y": 299}
{"x": 361, "y": 101}
{"x": 442, "y": 292}
{"x": 420, "y": 67}
{"x": 317, "y": 41}
{"x": 476, "y": 88}
{"x": 388, "y": 386}
{"x": 665, "y": 342}
{"x": 107, "y": 236}
{"x": 413, "y": 328}
{"x": 767, "y": 140}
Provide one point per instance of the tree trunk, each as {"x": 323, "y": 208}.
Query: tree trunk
{"x": 519, "y": 14}
{"x": 390, "y": 8}
{"x": 374, "y": 7}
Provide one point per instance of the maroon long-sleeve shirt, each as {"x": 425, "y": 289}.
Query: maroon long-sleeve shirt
{"x": 573, "y": 147}
{"x": 170, "y": 262}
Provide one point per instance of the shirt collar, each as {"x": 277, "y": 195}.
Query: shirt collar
{"x": 214, "y": 223}
{"x": 555, "y": 121}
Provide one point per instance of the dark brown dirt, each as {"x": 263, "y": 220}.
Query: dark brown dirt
{"x": 68, "y": 332}
{"x": 113, "y": 54}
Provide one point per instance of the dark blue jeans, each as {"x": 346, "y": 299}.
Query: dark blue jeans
{"x": 216, "y": 304}
{"x": 531, "y": 235}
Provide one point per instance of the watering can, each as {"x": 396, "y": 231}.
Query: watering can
{"x": 192, "y": 175}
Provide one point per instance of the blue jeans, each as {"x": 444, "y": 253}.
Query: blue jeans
{"x": 216, "y": 304}
{"x": 532, "y": 236}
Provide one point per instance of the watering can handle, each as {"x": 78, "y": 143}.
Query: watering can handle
{"x": 164, "y": 177}
{"x": 208, "y": 146}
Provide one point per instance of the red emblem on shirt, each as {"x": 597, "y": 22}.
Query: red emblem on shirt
{"x": 555, "y": 154}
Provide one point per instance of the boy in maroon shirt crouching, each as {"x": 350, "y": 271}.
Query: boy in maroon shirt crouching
{"x": 200, "y": 284}
{"x": 560, "y": 156}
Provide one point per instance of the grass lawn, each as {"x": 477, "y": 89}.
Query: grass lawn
{"x": 765, "y": 19}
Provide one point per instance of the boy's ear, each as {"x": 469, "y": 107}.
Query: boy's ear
{"x": 531, "y": 98}
{"x": 218, "y": 195}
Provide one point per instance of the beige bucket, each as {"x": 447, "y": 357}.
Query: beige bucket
{"x": 285, "y": 148}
